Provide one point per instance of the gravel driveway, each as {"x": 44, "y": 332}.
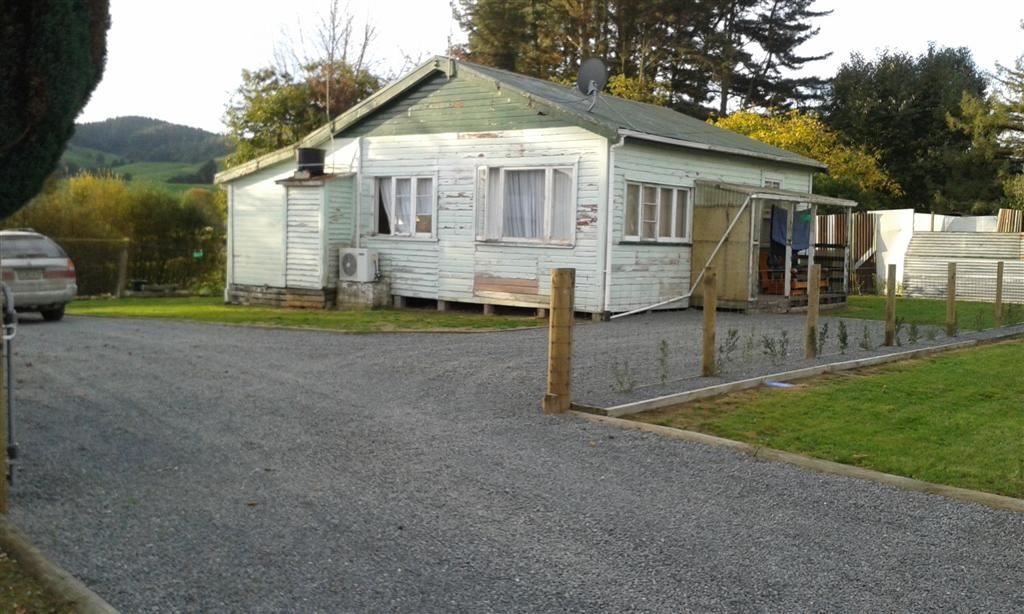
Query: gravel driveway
{"x": 179, "y": 467}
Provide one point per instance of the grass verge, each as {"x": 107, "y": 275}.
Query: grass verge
{"x": 922, "y": 311}
{"x": 214, "y": 310}
{"x": 20, "y": 593}
{"x": 955, "y": 418}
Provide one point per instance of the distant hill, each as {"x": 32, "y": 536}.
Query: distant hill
{"x": 142, "y": 139}
{"x": 148, "y": 150}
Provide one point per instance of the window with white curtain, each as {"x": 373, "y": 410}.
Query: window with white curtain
{"x": 527, "y": 204}
{"x": 405, "y": 206}
{"x": 657, "y": 213}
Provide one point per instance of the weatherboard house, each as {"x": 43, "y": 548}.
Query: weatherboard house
{"x": 461, "y": 183}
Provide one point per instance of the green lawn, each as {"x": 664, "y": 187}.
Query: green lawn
{"x": 956, "y": 418}
{"x": 214, "y": 310}
{"x": 970, "y": 315}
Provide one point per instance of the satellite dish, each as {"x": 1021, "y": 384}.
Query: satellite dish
{"x": 592, "y": 78}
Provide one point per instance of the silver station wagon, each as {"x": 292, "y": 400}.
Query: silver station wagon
{"x": 38, "y": 272}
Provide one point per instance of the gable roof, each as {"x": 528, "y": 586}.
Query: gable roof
{"x": 611, "y": 117}
{"x": 644, "y": 121}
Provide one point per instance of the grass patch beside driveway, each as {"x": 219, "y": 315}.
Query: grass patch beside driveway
{"x": 213, "y": 310}
{"x": 955, "y": 419}
{"x": 923, "y": 311}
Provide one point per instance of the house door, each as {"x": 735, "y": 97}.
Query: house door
{"x": 304, "y": 238}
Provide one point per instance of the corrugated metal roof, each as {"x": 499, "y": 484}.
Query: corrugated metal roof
{"x": 620, "y": 114}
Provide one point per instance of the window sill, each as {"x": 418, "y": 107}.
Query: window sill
{"x": 401, "y": 238}
{"x": 513, "y": 243}
{"x": 651, "y": 242}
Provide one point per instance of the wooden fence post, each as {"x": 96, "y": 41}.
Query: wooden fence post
{"x": 951, "y": 300}
{"x": 707, "y": 368}
{"x": 998, "y": 315}
{"x": 122, "y": 270}
{"x": 813, "y": 301}
{"x": 890, "y": 306}
{"x": 560, "y": 324}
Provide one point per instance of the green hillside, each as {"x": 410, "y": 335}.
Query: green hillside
{"x": 146, "y": 150}
{"x": 151, "y": 140}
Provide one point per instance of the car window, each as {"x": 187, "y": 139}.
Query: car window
{"x": 29, "y": 247}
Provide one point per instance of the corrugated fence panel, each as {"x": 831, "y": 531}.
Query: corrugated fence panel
{"x": 975, "y": 254}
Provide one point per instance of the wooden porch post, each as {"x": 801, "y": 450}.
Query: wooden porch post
{"x": 813, "y": 238}
{"x": 790, "y": 210}
{"x": 848, "y": 268}
{"x": 560, "y": 324}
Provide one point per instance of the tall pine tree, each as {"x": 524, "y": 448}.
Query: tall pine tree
{"x": 688, "y": 53}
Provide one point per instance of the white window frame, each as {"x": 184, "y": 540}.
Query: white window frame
{"x": 657, "y": 238}
{"x": 413, "y": 183}
{"x": 775, "y": 180}
{"x": 493, "y": 205}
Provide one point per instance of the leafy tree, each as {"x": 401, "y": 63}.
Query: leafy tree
{"x": 278, "y": 105}
{"x": 273, "y": 109}
{"x": 744, "y": 44}
{"x": 51, "y": 59}
{"x": 854, "y": 171}
{"x": 911, "y": 110}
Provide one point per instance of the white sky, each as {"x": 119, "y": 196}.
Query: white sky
{"x": 179, "y": 61}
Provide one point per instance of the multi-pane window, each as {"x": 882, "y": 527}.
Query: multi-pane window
{"x": 405, "y": 206}
{"x": 657, "y": 213}
{"x": 527, "y": 204}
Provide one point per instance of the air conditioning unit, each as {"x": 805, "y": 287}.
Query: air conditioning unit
{"x": 357, "y": 265}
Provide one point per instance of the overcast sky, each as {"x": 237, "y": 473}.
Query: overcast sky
{"x": 179, "y": 61}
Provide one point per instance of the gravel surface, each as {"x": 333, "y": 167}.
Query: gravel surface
{"x": 186, "y": 467}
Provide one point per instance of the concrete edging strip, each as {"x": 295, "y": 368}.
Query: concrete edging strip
{"x": 816, "y": 464}
{"x": 679, "y": 398}
{"x": 60, "y": 583}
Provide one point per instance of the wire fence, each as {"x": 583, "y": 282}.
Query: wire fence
{"x": 104, "y": 266}
{"x": 661, "y": 353}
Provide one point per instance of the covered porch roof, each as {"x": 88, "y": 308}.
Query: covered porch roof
{"x": 778, "y": 194}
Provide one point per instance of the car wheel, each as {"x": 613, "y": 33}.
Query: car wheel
{"x": 53, "y": 314}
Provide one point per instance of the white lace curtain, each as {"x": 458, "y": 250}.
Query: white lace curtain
{"x": 523, "y": 210}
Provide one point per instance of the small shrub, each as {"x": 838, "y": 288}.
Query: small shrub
{"x": 865, "y": 340}
{"x": 749, "y": 344}
{"x": 784, "y": 344}
{"x": 663, "y": 361}
{"x": 930, "y": 333}
{"x": 625, "y": 379}
{"x": 822, "y": 338}
{"x": 844, "y": 337}
{"x": 900, "y": 324}
{"x": 726, "y": 348}
{"x": 913, "y": 333}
